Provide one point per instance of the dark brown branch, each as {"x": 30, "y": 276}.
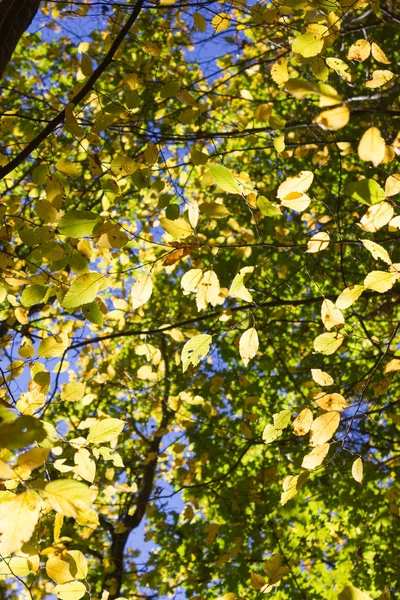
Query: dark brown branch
{"x": 15, "y": 18}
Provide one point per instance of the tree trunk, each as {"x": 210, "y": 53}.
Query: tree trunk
{"x": 15, "y": 18}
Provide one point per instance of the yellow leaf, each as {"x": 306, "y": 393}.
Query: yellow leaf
{"x": 86, "y": 65}
{"x": 256, "y": 581}
{"x": 392, "y": 366}
{"x": 53, "y": 346}
{"x": 315, "y": 458}
{"x": 360, "y": 50}
{"x": 380, "y": 281}
{"x": 105, "y": 430}
{"x": 17, "y": 566}
{"x": 299, "y": 183}
{"x": 58, "y": 570}
{"x": 78, "y": 564}
{"x": 319, "y": 241}
{"x": 195, "y": 349}
{"x": 73, "y": 392}
{"x": 330, "y": 402}
{"x": 333, "y": 119}
{"x": 279, "y": 71}
{"x": 291, "y": 485}
{"x": 221, "y": 22}
{"x": 193, "y": 214}
{"x": 263, "y": 112}
{"x": 357, "y": 470}
{"x": 302, "y": 423}
{"x": 352, "y": 593}
{"x": 328, "y": 343}
{"x": 67, "y": 496}
{"x": 372, "y": 146}
{"x": 208, "y": 290}
{"x": 331, "y": 315}
{"x": 6, "y": 471}
{"x": 36, "y": 457}
{"x": 321, "y": 377}
{"x": 238, "y": 289}
{"x": 141, "y": 291}
{"x": 18, "y": 517}
{"x": 178, "y": 229}
{"x": 70, "y": 591}
{"x": 392, "y": 184}
{"x": 349, "y": 296}
{"x": 379, "y": 54}
{"x": 379, "y": 78}
{"x": 308, "y": 44}
{"x": 323, "y": 428}
{"x": 58, "y": 523}
{"x": 376, "y": 217}
{"x": 377, "y": 251}
{"x": 190, "y": 280}
{"x": 296, "y": 201}
{"x": 85, "y": 466}
{"x": 248, "y": 345}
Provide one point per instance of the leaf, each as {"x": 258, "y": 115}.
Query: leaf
{"x": 359, "y": 51}
{"x": 270, "y": 434}
{"x": 279, "y": 71}
{"x": 179, "y": 228}
{"x": 33, "y": 294}
{"x": 208, "y": 290}
{"x": 379, "y": 78}
{"x": 6, "y": 472}
{"x": 299, "y": 183}
{"x": 221, "y": 22}
{"x": 79, "y": 223}
{"x": 333, "y": 119}
{"x": 238, "y": 289}
{"x": 379, "y": 54}
{"x": 67, "y": 496}
{"x": 70, "y": 591}
{"x": 73, "y": 392}
{"x": 105, "y": 430}
{"x": 392, "y": 185}
{"x": 380, "y": 281}
{"x": 53, "y": 346}
{"x": 199, "y": 21}
{"x": 372, "y": 146}
{"x": 331, "y": 315}
{"x": 224, "y": 179}
{"x": 248, "y": 345}
{"x": 291, "y": 485}
{"x": 319, "y": 241}
{"x": 367, "y": 191}
{"x": 85, "y": 466}
{"x": 302, "y": 423}
{"x": 256, "y": 581}
{"x": 376, "y": 217}
{"x": 324, "y": 427}
{"x": 34, "y": 458}
{"x": 321, "y": 377}
{"x": 141, "y": 291}
{"x": 214, "y": 210}
{"x": 349, "y": 296}
{"x": 392, "y": 366}
{"x": 330, "y": 402}
{"x": 267, "y": 208}
{"x": 296, "y": 201}
{"x": 308, "y": 44}
{"x": 195, "y": 350}
{"x": 190, "y": 280}
{"x": 377, "y": 251}
{"x": 93, "y": 313}
{"x": 282, "y": 419}
{"x": 78, "y": 564}
{"x": 58, "y": 570}
{"x": 357, "y": 470}
{"x": 82, "y": 291}
{"x": 18, "y": 518}
{"x": 316, "y": 457}
{"x": 328, "y": 343}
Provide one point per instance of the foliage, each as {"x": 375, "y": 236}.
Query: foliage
{"x": 199, "y": 318}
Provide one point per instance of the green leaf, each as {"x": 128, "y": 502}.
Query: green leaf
{"x": 82, "y": 291}
{"x": 282, "y": 419}
{"x": 366, "y": 191}
{"x": 238, "y": 289}
{"x": 93, "y": 313}
{"x": 79, "y": 223}
{"x": 270, "y": 434}
{"x": 53, "y": 346}
{"x": 195, "y": 350}
{"x": 224, "y": 179}
{"x": 178, "y": 228}
{"x": 267, "y": 208}
{"x": 33, "y": 294}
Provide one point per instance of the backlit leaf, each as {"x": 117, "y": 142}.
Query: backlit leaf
{"x": 299, "y": 183}
{"x": 18, "y": 517}
{"x": 372, "y": 146}
{"x": 195, "y": 350}
{"x": 179, "y": 228}
{"x": 349, "y": 296}
{"x": 316, "y": 457}
{"x": 331, "y": 315}
{"x": 377, "y": 251}
{"x": 319, "y": 241}
{"x": 67, "y": 496}
{"x": 224, "y": 179}
{"x": 376, "y": 217}
{"x": 105, "y": 430}
{"x": 328, "y": 343}
{"x": 324, "y": 427}
{"x": 302, "y": 423}
{"x": 321, "y": 377}
{"x": 238, "y": 289}
{"x": 70, "y": 591}
{"x": 82, "y": 291}
{"x": 380, "y": 281}
{"x": 248, "y": 345}
{"x": 141, "y": 291}
{"x": 357, "y": 470}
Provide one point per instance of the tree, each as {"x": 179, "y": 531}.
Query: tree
{"x": 199, "y": 323}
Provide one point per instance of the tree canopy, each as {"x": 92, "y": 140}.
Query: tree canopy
{"x": 199, "y": 255}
